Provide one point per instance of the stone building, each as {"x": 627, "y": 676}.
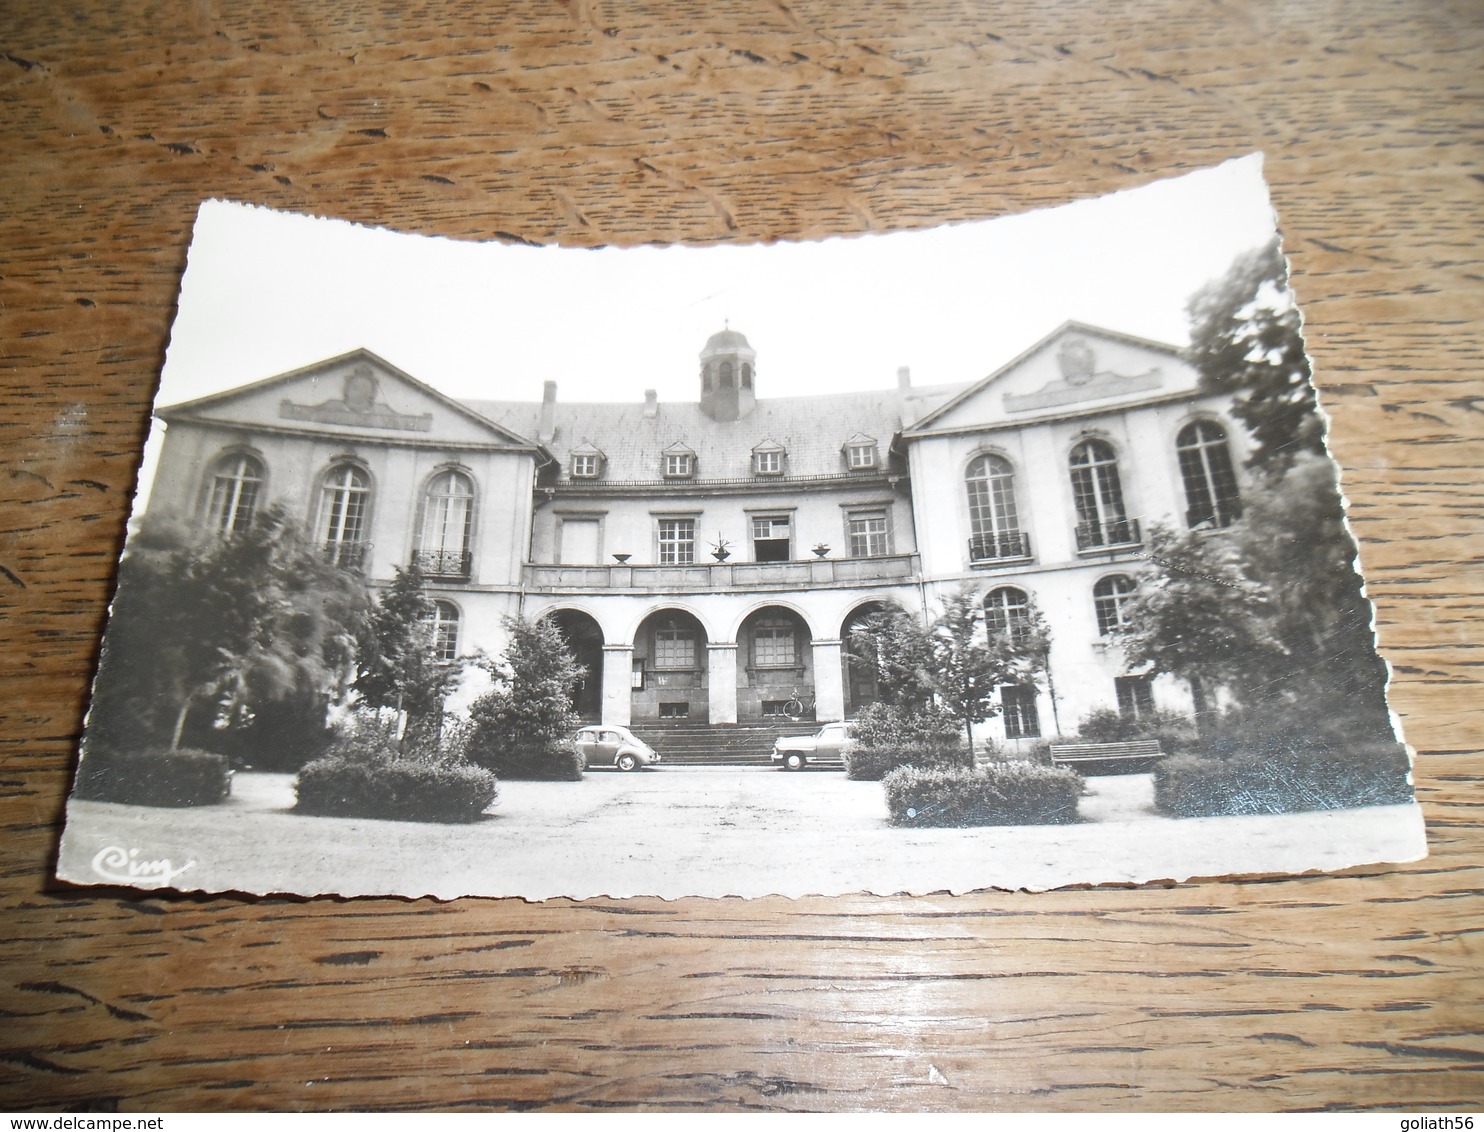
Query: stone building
{"x": 707, "y": 559}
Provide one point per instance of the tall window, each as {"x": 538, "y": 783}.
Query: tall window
{"x": 993, "y": 525}
{"x": 774, "y": 644}
{"x": 448, "y": 515}
{"x": 1018, "y": 706}
{"x": 1210, "y": 482}
{"x": 1098, "y": 494}
{"x": 771, "y": 541}
{"x": 1110, "y": 598}
{"x": 677, "y": 542}
{"x": 869, "y": 534}
{"x": 343, "y": 501}
{"x": 1007, "y": 611}
{"x": 1135, "y": 696}
{"x": 234, "y": 494}
{"x": 674, "y": 646}
{"x": 443, "y": 622}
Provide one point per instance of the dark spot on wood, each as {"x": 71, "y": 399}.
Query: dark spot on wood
{"x": 31, "y": 1061}
{"x": 373, "y": 132}
{"x": 12, "y": 576}
{"x": 281, "y": 179}
{"x": 23, "y": 64}
{"x": 83, "y": 301}
{"x": 349, "y": 958}
{"x": 180, "y": 147}
{"x": 751, "y": 57}
{"x": 436, "y": 179}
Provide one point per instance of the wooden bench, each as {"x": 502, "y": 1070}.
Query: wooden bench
{"x": 1105, "y": 752}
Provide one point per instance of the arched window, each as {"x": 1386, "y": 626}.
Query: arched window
{"x": 1007, "y": 611}
{"x": 1110, "y": 599}
{"x": 746, "y": 376}
{"x": 994, "y": 528}
{"x": 1211, "y": 496}
{"x": 448, "y": 515}
{"x": 726, "y": 375}
{"x": 343, "y": 504}
{"x": 234, "y": 494}
{"x": 443, "y": 622}
{"x": 1098, "y": 494}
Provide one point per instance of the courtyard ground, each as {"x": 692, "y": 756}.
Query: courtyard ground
{"x": 704, "y": 831}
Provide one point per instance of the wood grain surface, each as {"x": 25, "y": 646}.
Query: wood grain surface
{"x": 590, "y": 123}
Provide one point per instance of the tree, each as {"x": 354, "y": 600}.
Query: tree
{"x": 397, "y": 666}
{"x": 529, "y": 710}
{"x": 1245, "y": 341}
{"x": 223, "y": 625}
{"x": 895, "y": 647}
{"x": 1197, "y": 615}
{"x": 971, "y": 662}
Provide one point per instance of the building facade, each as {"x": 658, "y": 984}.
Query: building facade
{"x": 707, "y": 560}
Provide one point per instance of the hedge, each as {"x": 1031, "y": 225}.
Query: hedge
{"x": 398, "y": 789}
{"x": 162, "y": 777}
{"x": 1190, "y": 786}
{"x": 871, "y": 764}
{"x": 560, "y": 762}
{"x": 1008, "y": 793}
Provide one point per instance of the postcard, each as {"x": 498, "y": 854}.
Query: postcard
{"x": 1004, "y": 554}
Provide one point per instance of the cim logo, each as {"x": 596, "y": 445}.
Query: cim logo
{"x": 123, "y": 866}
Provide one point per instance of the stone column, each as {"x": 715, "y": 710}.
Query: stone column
{"x": 829, "y": 682}
{"x": 721, "y": 682}
{"x": 618, "y": 696}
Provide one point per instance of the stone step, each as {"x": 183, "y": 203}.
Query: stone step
{"x": 725, "y": 745}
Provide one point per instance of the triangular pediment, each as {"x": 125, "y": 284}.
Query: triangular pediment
{"x": 1076, "y": 367}
{"x": 357, "y": 395}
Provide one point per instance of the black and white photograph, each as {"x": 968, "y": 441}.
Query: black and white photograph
{"x": 993, "y": 555}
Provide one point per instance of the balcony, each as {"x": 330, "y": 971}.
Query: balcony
{"x": 445, "y": 564}
{"x": 1113, "y": 534}
{"x": 712, "y": 577}
{"x": 1002, "y": 546}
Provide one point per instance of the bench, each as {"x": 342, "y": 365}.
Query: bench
{"x": 1062, "y": 753}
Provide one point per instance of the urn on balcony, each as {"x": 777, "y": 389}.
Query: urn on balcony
{"x": 821, "y": 549}
{"x": 621, "y": 559}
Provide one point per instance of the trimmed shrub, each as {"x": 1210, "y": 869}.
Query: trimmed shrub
{"x": 883, "y": 726}
{"x": 1175, "y": 731}
{"x": 154, "y": 778}
{"x": 871, "y": 764}
{"x": 394, "y": 789}
{"x": 558, "y": 762}
{"x": 1282, "y": 782}
{"x": 1011, "y": 793}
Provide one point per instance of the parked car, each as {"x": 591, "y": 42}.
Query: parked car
{"x": 607, "y": 745}
{"x": 825, "y": 747}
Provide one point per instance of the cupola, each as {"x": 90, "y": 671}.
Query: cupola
{"x": 728, "y": 366}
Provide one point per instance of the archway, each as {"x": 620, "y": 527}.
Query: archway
{"x": 669, "y": 669}
{"x": 585, "y": 638}
{"x": 775, "y": 666}
{"x": 858, "y": 675}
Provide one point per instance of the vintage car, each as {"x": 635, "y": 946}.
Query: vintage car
{"x": 607, "y": 745}
{"x": 825, "y": 747}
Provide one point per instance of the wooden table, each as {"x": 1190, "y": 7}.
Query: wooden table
{"x": 594, "y": 123}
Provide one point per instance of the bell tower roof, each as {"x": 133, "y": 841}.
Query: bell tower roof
{"x": 728, "y": 366}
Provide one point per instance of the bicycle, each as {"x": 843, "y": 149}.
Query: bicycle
{"x": 795, "y": 708}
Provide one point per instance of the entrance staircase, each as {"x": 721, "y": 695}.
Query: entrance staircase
{"x": 693, "y": 744}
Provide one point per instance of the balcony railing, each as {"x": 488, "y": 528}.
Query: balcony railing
{"x": 443, "y": 563}
{"x": 725, "y": 575}
{"x": 1109, "y": 534}
{"x": 1000, "y": 547}
{"x": 349, "y": 555}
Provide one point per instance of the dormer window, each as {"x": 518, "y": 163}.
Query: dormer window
{"x": 587, "y": 462}
{"x": 767, "y": 459}
{"x": 860, "y": 453}
{"x": 679, "y": 462}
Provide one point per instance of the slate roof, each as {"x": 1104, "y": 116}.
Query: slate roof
{"x": 812, "y": 430}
